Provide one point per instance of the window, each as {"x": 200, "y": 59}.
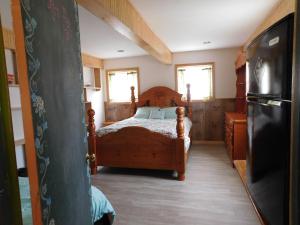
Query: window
{"x": 119, "y": 82}
{"x": 199, "y": 76}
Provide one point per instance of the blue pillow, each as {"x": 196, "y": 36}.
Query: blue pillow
{"x": 100, "y": 205}
{"x": 170, "y": 112}
{"x": 143, "y": 112}
{"x": 157, "y": 114}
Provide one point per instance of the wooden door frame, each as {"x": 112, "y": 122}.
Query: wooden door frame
{"x": 27, "y": 113}
{"x": 295, "y": 126}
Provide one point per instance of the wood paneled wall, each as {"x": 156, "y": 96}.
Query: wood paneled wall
{"x": 116, "y": 111}
{"x": 208, "y": 117}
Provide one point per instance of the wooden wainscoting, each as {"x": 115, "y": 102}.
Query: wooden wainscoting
{"x": 208, "y": 117}
{"x": 117, "y": 111}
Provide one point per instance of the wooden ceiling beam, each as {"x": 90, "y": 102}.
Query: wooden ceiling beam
{"x": 91, "y": 61}
{"x": 124, "y": 18}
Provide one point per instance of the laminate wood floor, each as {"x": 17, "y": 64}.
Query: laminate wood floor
{"x": 212, "y": 193}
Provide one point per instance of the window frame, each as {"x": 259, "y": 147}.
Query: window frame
{"x": 121, "y": 69}
{"x": 198, "y": 64}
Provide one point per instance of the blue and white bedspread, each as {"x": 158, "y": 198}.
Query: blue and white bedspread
{"x": 100, "y": 204}
{"x": 166, "y": 127}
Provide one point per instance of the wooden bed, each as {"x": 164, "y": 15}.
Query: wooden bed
{"x": 138, "y": 147}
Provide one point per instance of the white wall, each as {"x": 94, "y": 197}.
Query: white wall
{"x": 5, "y": 12}
{"x": 154, "y": 73}
{"x": 16, "y": 111}
{"x": 97, "y": 100}
{"x": 95, "y": 97}
{"x": 6, "y": 20}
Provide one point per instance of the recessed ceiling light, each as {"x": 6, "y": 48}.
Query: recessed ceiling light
{"x": 206, "y": 42}
{"x": 121, "y": 50}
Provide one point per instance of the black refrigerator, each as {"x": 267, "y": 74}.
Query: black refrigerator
{"x": 268, "y": 85}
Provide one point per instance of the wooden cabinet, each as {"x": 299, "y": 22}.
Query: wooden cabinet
{"x": 236, "y": 135}
{"x": 241, "y": 89}
{"x": 91, "y": 69}
{"x": 240, "y": 67}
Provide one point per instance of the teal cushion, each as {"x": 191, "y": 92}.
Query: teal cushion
{"x": 157, "y": 114}
{"x": 170, "y": 112}
{"x": 25, "y": 200}
{"x": 100, "y": 205}
{"x": 143, "y": 112}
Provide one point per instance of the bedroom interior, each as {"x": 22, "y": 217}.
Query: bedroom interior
{"x": 111, "y": 114}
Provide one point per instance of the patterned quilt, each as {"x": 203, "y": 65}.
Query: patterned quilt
{"x": 100, "y": 204}
{"x": 166, "y": 127}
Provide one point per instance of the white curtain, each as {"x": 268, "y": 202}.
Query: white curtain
{"x": 120, "y": 83}
{"x": 200, "y": 79}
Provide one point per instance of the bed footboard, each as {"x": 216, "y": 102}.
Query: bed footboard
{"x": 138, "y": 147}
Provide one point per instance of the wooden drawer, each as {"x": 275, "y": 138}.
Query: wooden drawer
{"x": 235, "y": 136}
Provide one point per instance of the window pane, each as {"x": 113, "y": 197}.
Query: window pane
{"x": 200, "y": 78}
{"x": 119, "y": 85}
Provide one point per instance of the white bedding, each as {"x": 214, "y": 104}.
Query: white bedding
{"x": 166, "y": 127}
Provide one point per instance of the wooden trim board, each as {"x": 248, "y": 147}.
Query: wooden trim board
{"x": 200, "y": 142}
{"x": 19, "y": 142}
{"x": 9, "y": 38}
{"x": 240, "y": 166}
{"x": 91, "y": 61}
{"x": 241, "y": 59}
{"x": 27, "y": 114}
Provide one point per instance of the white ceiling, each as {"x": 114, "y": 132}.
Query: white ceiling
{"x": 99, "y": 39}
{"x": 183, "y": 25}
{"x": 5, "y": 12}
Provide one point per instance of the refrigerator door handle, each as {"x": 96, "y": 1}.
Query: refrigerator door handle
{"x": 252, "y": 97}
{"x": 274, "y": 103}
{"x": 269, "y": 103}
{"x": 264, "y": 104}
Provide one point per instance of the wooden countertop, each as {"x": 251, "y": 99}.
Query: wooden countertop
{"x": 236, "y": 117}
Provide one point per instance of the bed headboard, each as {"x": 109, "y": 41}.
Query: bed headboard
{"x": 162, "y": 97}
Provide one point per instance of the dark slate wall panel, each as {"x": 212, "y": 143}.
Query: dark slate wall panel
{"x": 56, "y": 87}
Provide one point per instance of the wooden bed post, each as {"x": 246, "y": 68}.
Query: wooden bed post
{"x": 188, "y": 97}
{"x": 133, "y": 104}
{"x": 91, "y": 156}
{"x": 180, "y": 125}
{"x": 180, "y": 151}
